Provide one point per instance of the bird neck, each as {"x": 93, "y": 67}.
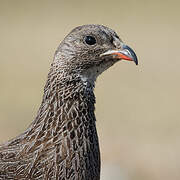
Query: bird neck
{"x": 67, "y": 110}
{"x": 67, "y": 99}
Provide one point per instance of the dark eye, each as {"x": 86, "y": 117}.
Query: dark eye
{"x": 90, "y": 40}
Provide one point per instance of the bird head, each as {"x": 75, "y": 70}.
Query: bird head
{"x": 89, "y": 50}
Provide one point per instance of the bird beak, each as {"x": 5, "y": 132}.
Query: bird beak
{"x": 125, "y": 53}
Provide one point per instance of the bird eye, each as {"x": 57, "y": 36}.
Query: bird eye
{"x": 90, "y": 40}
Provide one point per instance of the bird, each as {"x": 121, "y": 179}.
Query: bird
{"x": 62, "y": 142}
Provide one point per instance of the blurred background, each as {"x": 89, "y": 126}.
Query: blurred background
{"x": 138, "y": 107}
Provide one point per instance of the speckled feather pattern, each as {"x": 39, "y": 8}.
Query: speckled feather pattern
{"x": 62, "y": 142}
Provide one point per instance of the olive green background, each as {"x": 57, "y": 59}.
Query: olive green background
{"x": 138, "y": 107}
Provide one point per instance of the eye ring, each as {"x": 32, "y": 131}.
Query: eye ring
{"x": 90, "y": 40}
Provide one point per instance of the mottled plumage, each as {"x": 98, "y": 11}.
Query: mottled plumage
{"x": 62, "y": 142}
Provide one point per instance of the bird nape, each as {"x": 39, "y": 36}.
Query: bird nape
{"x": 62, "y": 142}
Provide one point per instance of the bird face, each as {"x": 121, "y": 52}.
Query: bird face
{"x": 91, "y": 49}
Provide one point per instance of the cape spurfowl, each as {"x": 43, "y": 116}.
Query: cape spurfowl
{"x": 62, "y": 142}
